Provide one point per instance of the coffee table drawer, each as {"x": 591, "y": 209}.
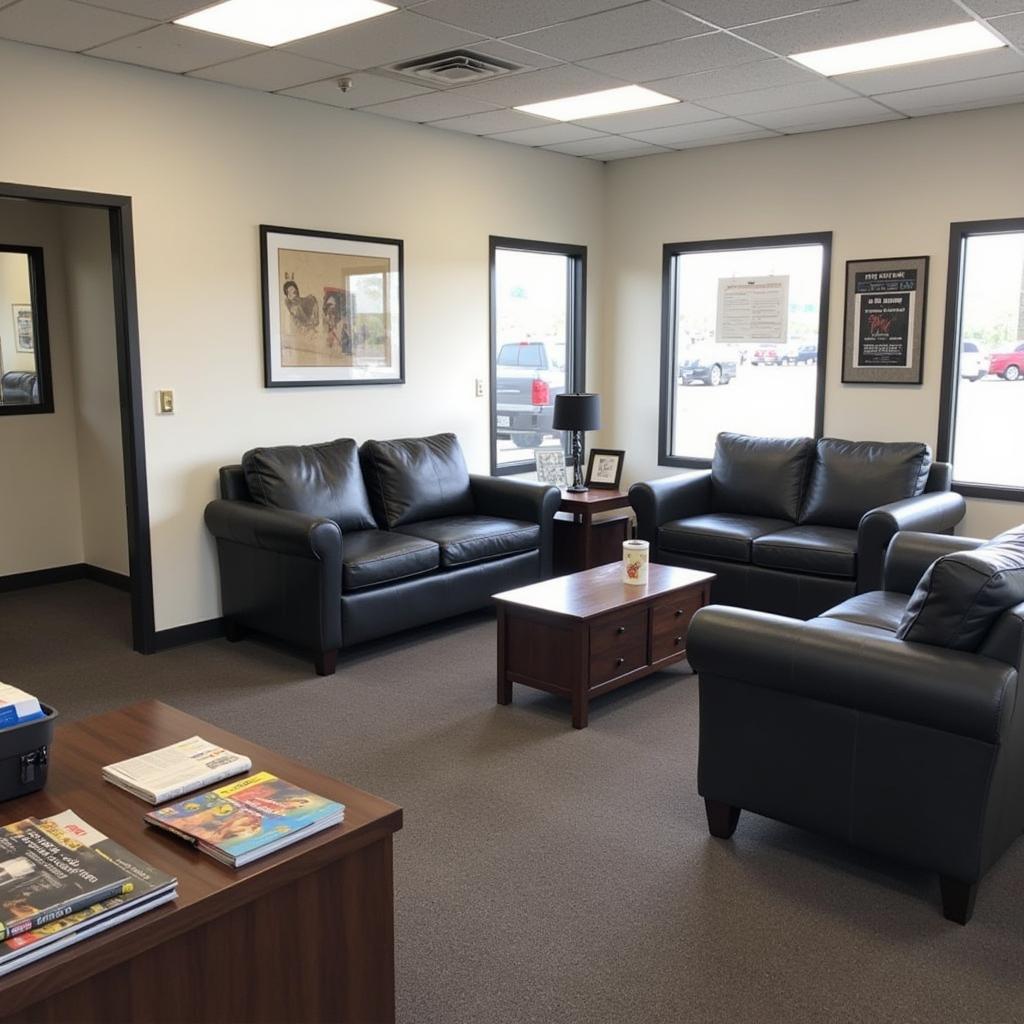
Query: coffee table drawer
{"x": 618, "y": 644}
{"x": 670, "y": 622}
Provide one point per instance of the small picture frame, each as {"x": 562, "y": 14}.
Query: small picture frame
{"x": 24, "y": 328}
{"x": 550, "y": 466}
{"x": 604, "y": 469}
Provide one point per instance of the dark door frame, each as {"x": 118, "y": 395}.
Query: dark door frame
{"x": 133, "y": 441}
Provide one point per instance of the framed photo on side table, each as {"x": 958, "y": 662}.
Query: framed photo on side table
{"x": 883, "y": 329}
{"x": 551, "y": 466}
{"x": 604, "y": 470}
{"x": 332, "y": 308}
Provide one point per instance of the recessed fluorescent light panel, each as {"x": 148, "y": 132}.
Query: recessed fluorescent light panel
{"x": 597, "y": 104}
{"x": 909, "y": 48}
{"x": 272, "y": 22}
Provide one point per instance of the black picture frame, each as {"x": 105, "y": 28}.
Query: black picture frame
{"x": 616, "y": 453}
{"x": 40, "y": 334}
{"x": 275, "y": 373}
{"x": 893, "y": 356}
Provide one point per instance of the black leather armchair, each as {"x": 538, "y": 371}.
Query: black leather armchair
{"x": 20, "y": 387}
{"x": 911, "y": 750}
{"x": 324, "y": 547}
{"x": 790, "y": 525}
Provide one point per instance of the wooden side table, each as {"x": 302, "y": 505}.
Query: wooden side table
{"x": 582, "y": 544}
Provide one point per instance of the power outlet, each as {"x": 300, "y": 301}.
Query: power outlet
{"x": 165, "y": 402}
{"x": 479, "y": 389}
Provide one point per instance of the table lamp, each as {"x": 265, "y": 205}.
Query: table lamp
{"x": 576, "y": 413}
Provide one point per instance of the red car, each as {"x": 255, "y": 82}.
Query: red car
{"x": 1008, "y": 365}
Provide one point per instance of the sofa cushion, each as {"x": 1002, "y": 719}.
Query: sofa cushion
{"x": 369, "y": 557}
{"x": 716, "y": 535}
{"x": 817, "y": 550}
{"x": 962, "y": 595}
{"x": 416, "y": 478}
{"x": 466, "y": 539}
{"x": 849, "y": 478}
{"x": 317, "y": 479}
{"x": 760, "y": 476}
{"x": 879, "y": 609}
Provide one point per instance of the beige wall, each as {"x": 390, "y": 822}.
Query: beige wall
{"x": 883, "y": 190}
{"x": 90, "y": 307}
{"x": 40, "y": 524}
{"x": 205, "y": 165}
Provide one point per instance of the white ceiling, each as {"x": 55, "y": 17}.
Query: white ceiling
{"x": 728, "y": 60}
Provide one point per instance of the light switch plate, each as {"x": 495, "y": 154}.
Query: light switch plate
{"x": 165, "y": 402}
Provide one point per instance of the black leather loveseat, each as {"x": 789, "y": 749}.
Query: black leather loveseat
{"x": 325, "y": 546}
{"x": 793, "y": 525}
{"x": 892, "y": 722}
{"x": 20, "y": 387}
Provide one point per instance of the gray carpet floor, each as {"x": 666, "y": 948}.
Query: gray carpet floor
{"x": 549, "y": 875}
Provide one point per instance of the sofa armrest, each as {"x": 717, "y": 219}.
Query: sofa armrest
{"x": 670, "y": 497}
{"x": 521, "y": 499}
{"x": 844, "y": 664}
{"x": 910, "y": 554}
{"x": 287, "y": 533}
{"x": 936, "y": 512}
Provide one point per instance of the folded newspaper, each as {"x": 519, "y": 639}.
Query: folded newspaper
{"x": 175, "y": 770}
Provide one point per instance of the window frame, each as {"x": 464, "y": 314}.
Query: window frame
{"x": 959, "y": 232}
{"x": 41, "y": 326}
{"x": 667, "y": 383}
{"x": 576, "y": 330}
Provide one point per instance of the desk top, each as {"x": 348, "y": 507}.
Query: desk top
{"x": 206, "y": 888}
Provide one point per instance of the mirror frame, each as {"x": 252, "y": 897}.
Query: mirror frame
{"x": 40, "y": 323}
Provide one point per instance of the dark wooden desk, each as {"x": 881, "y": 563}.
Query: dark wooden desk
{"x": 306, "y": 934}
{"x": 581, "y": 635}
{"x": 582, "y": 543}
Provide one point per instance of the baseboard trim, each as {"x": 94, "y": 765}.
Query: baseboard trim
{"x": 190, "y": 633}
{"x": 64, "y": 574}
{"x": 117, "y": 580}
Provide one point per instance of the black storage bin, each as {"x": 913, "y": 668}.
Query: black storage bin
{"x": 24, "y": 755}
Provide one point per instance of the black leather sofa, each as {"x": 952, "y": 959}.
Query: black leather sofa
{"x": 889, "y": 722}
{"x": 325, "y": 546}
{"x": 793, "y": 525}
{"x": 20, "y": 387}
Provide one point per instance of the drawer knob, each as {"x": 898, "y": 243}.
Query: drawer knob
{"x": 621, "y": 630}
{"x": 619, "y": 661}
{"x": 679, "y": 639}
{"x": 679, "y": 611}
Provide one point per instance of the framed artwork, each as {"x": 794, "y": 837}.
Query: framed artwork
{"x": 24, "y": 334}
{"x": 550, "y": 466}
{"x": 604, "y": 470}
{"x": 883, "y": 329}
{"x": 332, "y": 308}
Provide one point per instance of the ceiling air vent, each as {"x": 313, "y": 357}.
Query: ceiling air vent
{"x": 457, "y": 67}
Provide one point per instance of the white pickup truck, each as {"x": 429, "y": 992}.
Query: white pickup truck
{"x": 528, "y": 376}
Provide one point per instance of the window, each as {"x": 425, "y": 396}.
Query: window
{"x": 538, "y": 303}
{"x": 744, "y": 331}
{"x": 982, "y": 410}
{"x": 25, "y": 385}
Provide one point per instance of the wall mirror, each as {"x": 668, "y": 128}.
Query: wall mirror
{"x": 25, "y": 384}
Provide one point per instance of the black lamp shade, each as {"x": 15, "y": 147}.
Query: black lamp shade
{"x": 577, "y": 412}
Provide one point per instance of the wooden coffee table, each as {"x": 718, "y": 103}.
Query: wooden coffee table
{"x": 582, "y": 635}
{"x": 306, "y": 934}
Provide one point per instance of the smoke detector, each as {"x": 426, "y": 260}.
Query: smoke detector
{"x": 456, "y": 67}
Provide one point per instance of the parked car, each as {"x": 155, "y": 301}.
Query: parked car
{"x": 1008, "y": 365}
{"x": 707, "y": 364}
{"x": 806, "y": 354}
{"x": 529, "y": 375}
{"x": 774, "y": 355}
{"x": 972, "y": 366}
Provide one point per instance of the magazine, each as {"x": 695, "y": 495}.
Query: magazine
{"x": 245, "y": 820}
{"x": 175, "y": 770}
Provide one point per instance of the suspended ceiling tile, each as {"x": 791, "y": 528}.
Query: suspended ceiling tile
{"x": 762, "y": 74}
{"x": 934, "y": 72}
{"x": 507, "y": 17}
{"x": 548, "y": 135}
{"x": 993, "y": 8}
{"x": 174, "y": 48}
{"x": 957, "y": 95}
{"x": 535, "y": 86}
{"x": 822, "y": 115}
{"x": 431, "y": 106}
{"x": 270, "y": 70}
{"x": 612, "y": 31}
{"x": 725, "y": 140}
{"x": 65, "y": 25}
{"x": 730, "y": 13}
{"x": 517, "y": 55}
{"x": 852, "y": 23}
{"x": 779, "y": 98}
{"x": 366, "y": 89}
{"x": 490, "y": 122}
{"x": 398, "y": 36}
{"x": 1012, "y": 27}
{"x": 603, "y": 145}
{"x": 628, "y": 154}
{"x": 676, "y": 135}
{"x": 682, "y": 56}
{"x": 654, "y": 117}
{"x": 158, "y": 10}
